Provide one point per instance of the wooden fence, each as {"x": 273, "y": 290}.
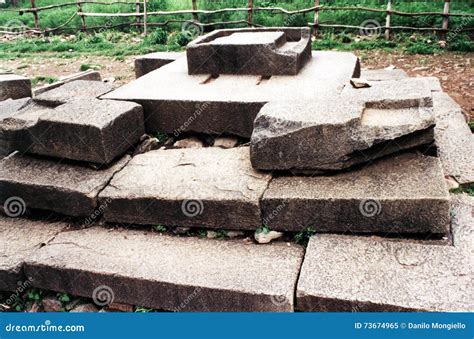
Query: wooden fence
{"x": 141, "y": 16}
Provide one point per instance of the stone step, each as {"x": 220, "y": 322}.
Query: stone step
{"x": 89, "y": 130}
{"x": 78, "y": 89}
{"x": 19, "y": 239}
{"x": 175, "y": 102}
{"x": 359, "y": 126}
{"x": 347, "y": 273}
{"x": 206, "y": 187}
{"x": 406, "y": 193}
{"x": 168, "y": 273}
{"x": 54, "y": 185}
{"x": 147, "y": 63}
{"x": 14, "y": 86}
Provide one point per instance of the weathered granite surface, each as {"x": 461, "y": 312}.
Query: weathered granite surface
{"x": 147, "y": 63}
{"x": 339, "y": 131}
{"x": 90, "y": 130}
{"x": 383, "y": 74}
{"x": 454, "y": 139}
{"x": 169, "y": 273}
{"x": 347, "y": 273}
{"x": 207, "y": 187}
{"x": 19, "y": 239}
{"x": 53, "y": 184}
{"x": 14, "y": 86}
{"x": 77, "y": 89}
{"x": 175, "y": 102}
{"x": 90, "y": 75}
{"x": 257, "y": 51}
{"x": 10, "y": 106}
{"x": 406, "y": 193}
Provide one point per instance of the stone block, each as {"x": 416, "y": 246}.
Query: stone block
{"x": 207, "y": 187}
{"x": 406, "y": 193}
{"x": 383, "y": 74}
{"x": 147, "y": 63}
{"x": 261, "y": 51}
{"x": 370, "y": 274}
{"x": 54, "y": 185}
{"x": 182, "y": 274}
{"x": 14, "y": 86}
{"x": 90, "y": 75}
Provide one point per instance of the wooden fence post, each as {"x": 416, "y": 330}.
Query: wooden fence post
{"x": 445, "y": 18}
{"x": 35, "y": 14}
{"x": 145, "y": 18}
{"x": 388, "y": 19}
{"x": 83, "y": 18}
{"x": 137, "y": 11}
{"x": 195, "y": 16}
{"x": 250, "y": 13}
{"x": 316, "y": 17}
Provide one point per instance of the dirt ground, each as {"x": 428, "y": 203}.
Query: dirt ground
{"x": 456, "y": 71}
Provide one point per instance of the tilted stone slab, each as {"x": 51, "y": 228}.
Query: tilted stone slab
{"x": 339, "y": 131}
{"x": 90, "y": 75}
{"x": 147, "y": 63}
{"x": 175, "y": 102}
{"x": 401, "y": 194}
{"x": 383, "y": 74}
{"x": 78, "y": 89}
{"x": 454, "y": 139}
{"x": 169, "y": 273}
{"x": 90, "y": 130}
{"x": 346, "y": 273}
{"x": 54, "y": 184}
{"x": 14, "y": 86}
{"x": 19, "y": 239}
{"x": 261, "y": 51}
{"x": 207, "y": 187}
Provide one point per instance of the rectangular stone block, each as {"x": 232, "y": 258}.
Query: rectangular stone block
{"x": 371, "y": 274}
{"x": 90, "y": 75}
{"x": 261, "y": 51}
{"x": 207, "y": 187}
{"x": 183, "y": 274}
{"x": 147, "y": 63}
{"x": 89, "y": 130}
{"x": 402, "y": 194}
{"x": 175, "y": 102}
{"x": 454, "y": 139}
{"x": 383, "y": 74}
{"x": 54, "y": 185}
{"x": 19, "y": 239}
{"x": 78, "y": 89}
{"x": 14, "y": 86}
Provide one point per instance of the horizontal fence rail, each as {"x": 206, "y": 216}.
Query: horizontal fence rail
{"x": 141, "y": 16}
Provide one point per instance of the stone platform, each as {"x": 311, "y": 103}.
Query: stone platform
{"x": 147, "y": 63}
{"x": 14, "y": 86}
{"x": 257, "y": 51}
{"x": 175, "y": 102}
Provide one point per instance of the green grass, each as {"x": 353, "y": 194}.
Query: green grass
{"x": 468, "y": 188}
{"x": 46, "y": 79}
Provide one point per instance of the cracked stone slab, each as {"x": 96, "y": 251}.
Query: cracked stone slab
{"x": 89, "y": 130}
{"x": 54, "y": 185}
{"x": 206, "y": 187}
{"x": 78, "y": 89}
{"x": 406, "y": 193}
{"x": 383, "y": 74}
{"x": 175, "y": 102}
{"x": 147, "y": 63}
{"x": 14, "y": 86}
{"x": 454, "y": 139}
{"x": 174, "y": 273}
{"x": 358, "y": 126}
{"x": 19, "y": 239}
{"x": 261, "y": 51}
{"x": 346, "y": 273}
